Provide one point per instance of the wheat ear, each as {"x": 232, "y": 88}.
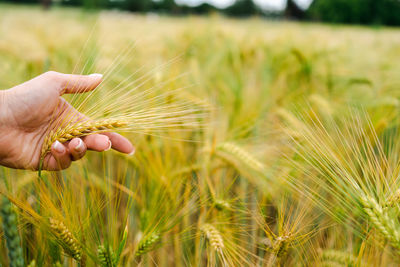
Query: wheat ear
{"x": 106, "y": 256}
{"x": 148, "y": 243}
{"x": 381, "y": 220}
{"x": 230, "y": 150}
{"x": 66, "y": 239}
{"x": 213, "y": 236}
{"x": 13, "y": 242}
{"x": 338, "y": 257}
{"x": 80, "y": 129}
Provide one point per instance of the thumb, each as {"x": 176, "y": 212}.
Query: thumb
{"x": 72, "y": 84}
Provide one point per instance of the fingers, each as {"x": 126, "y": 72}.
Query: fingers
{"x": 97, "y": 142}
{"x": 62, "y": 155}
{"x": 79, "y": 83}
{"x": 71, "y": 83}
{"x": 59, "y": 158}
{"x": 120, "y": 143}
{"x": 77, "y": 148}
{"x": 105, "y": 141}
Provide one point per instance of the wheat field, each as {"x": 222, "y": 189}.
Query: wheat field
{"x": 274, "y": 143}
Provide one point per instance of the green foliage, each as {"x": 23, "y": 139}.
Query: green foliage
{"x": 242, "y": 8}
{"x": 356, "y": 11}
{"x": 10, "y": 228}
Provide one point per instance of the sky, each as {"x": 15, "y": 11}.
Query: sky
{"x": 268, "y": 4}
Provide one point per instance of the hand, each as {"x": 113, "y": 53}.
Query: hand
{"x": 26, "y": 113}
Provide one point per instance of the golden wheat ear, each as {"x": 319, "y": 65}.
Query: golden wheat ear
{"x": 80, "y": 129}
{"x": 213, "y": 237}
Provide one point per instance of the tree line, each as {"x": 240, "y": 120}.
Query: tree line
{"x": 369, "y": 12}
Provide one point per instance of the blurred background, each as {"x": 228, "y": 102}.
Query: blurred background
{"x": 371, "y": 12}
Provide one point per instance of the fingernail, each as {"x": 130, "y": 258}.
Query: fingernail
{"x": 96, "y": 75}
{"x": 133, "y": 152}
{"x": 109, "y": 145}
{"x": 58, "y": 147}
{"x": 80, "y": 146}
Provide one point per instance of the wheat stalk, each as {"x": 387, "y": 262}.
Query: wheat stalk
{"x": 67, "y": 240}
{"x": 80, "y": 129}
{"x": 148, "y": 243}
{"x": 213, "y": 236}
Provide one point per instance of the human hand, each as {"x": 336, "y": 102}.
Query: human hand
{"x": 26, "y": 114}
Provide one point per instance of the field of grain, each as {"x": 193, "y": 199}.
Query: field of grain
{"x": 292, "y": 159}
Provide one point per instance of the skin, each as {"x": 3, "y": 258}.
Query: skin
{"x": 26, "y": 113}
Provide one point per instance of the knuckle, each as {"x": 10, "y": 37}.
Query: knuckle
{"x": 54, "y": 76}
{"x": 51, "y": 74}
